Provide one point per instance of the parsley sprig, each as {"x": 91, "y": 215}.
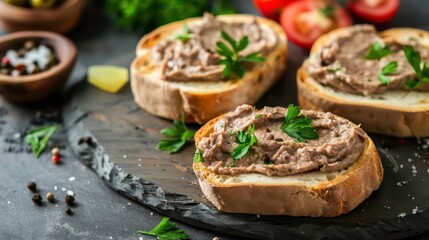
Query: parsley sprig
{"x": 186, "y": 35}
{"x": 198, "y": 156}
{"x": 298, "y": 127}
{"x": 166, "y": 230}
{"x": 245, "y": 140}
{"x": 376, "y": 51}
{"x": 422, "y": 72}
{"x": 386, "y": 70}
{"x": 177, "y": 136}
{"x": 230, "y": 57}
{"x": 38, "y": 138}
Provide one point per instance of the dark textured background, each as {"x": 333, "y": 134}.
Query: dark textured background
{"x": 101, "y": 213}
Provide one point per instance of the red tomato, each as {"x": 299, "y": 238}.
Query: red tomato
{"x": 272, "y": 8}
{"x": 375, "y": 11}
{"x": 304, "y": 21}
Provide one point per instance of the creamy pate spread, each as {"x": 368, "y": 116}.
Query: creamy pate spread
{"x": 196, "y": 59}
{"x": 339, "y": 145}
{"x": 341, "y": 65}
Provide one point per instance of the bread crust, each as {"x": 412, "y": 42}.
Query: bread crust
{"x": 172, "y": 100}
{"x": 337, "y": 194}
{"x": 378, "y": 114}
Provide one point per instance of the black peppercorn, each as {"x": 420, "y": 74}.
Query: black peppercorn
{"x": 69, "y": 211}
{"x": 32, "y": 186}
{"x": 37, "y": 198}
{"x": 69, "y": 200}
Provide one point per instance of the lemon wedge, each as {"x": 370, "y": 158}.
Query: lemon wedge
{"x": 108, "y": 78}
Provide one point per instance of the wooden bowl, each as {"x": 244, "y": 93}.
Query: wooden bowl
{"x": 33, "y": 87}
{"x": 62, "y": 19}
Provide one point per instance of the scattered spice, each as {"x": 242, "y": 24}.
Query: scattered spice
{"x": 50, "y": 197}
{"x": 36, "y": 198}
{"x": 56, "y": 159}
{"x": 69, "y": 199}
{"x": 32, "y": 186}
{"x": 69, "y": 211}
{"x": 55, "y": 151}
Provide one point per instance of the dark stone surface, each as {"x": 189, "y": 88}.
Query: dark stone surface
{"x": 100, "y": 213}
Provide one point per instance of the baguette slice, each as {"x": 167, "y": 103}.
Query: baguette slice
{"x": 313, "y": 194}
{"x": 200, "y": 101}
{"x": 394, "y": 113}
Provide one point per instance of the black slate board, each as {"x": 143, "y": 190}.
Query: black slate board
{"x": 124, "y": 155}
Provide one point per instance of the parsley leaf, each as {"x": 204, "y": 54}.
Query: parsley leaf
{"x": 166, "y": 230}
{"x": 386, "y": 70}
{"x": 33, "y": 138}
{"x": 376, "y": 51}
{"x": 186, "y": 34}
{"x": 176, "y": 137}
{"x": 328, "y": 10}
{"x": 245, "y": 139}
{"x": 422, "y": 72}
{"x": 298, "y": 127}
{"x": 230, "y": 57}
{"x": 198, "y": 156}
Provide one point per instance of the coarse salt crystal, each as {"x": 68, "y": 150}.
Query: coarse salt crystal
{"x": 401, "y": 165}
{"x": 125, "y": 156}
{"x": 414, "y": 211}
{"x": 402, "y": 215}
{"x": 71, "y": 179}
{"x": 410, "y": 160}
{"x": 63, "y": 189}
{"x": 70, "y": 192}
{"x": 55, "y": 188}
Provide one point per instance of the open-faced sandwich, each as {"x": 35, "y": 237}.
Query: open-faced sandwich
{"x": 278, "y": 161}
{"x": 203, "y": 67}
{"x": 379, "y": 80}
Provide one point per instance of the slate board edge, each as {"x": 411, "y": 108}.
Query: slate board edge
{"x": 182, "y": 208}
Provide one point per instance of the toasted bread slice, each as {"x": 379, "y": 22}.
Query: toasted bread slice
{"x": 394, "y": 113}
{"x": 313, "y": 194}
{"x": 202, "y": 101}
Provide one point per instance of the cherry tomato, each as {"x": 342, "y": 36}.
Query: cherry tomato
{"x": 305, "y": 21}
{"x": 271, "y": 8}
{"x": 375, "y": 11}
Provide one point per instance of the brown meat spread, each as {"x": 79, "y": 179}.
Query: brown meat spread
{"x": 340, "y": 64}
{"x": 339, "y": 145}
{"x": 196, "y": 59}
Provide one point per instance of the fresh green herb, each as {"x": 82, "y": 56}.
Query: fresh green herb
{"x": 422, "y": 72}
{"x": 386, "y": 70}
{"x": 245, "y": 140}
{"x": 176, "y": 137}
{"x": 186, "y": 34}
{"x": 231, "y": 133}
{"x": 38, "y": 138}
{"x": 334, "y": 70}
{"x": 328, "y": 10}
{"x": 258, "y": 116}
{"x": 230, "y": 57}
{"x": 377, "y": 51}
{"x": 198, "y": 156}
{"x": 166, "y": 230}
{"x": 298, "y": 127}
{"x": 148, "y": 14}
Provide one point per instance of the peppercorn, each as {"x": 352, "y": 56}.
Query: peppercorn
{"x": 69, "y": 200}
{"x": 28, "y": 45}
{"x": 55, "y": 151}
{"x": 32, "y": 186}
{"x": 69, "y": 211}
{"x": 50, "y": 197}
{"x": 36, "y": 198}
{"x": 56, "y": 159}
